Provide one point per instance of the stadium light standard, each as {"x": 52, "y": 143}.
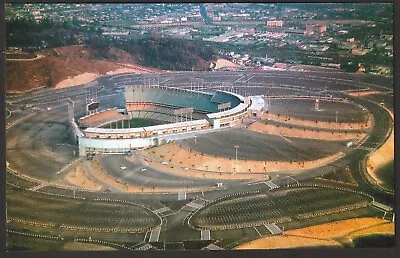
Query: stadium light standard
{"x": 336, "y": 116}
{"x": 195, "y": 141}
{"x": 236, "y": 152}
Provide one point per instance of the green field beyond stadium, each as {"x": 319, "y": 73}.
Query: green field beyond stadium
{"x": 133, "y": 123}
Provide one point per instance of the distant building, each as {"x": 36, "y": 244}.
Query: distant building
{"x": 350, "y": 40}
{"x": 194, "y": 18}
{"x": 360, "y": 51}
{"x": 334, "y": 65}
{"x": 115, "y": 33}
{"x": 216, "y": 18}
{"x": 275, "y": 23}
{"x": 312, "y": 29}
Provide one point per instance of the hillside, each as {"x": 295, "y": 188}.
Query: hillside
{"x": 171, "y": 53}
{"x": 64, "y": 66}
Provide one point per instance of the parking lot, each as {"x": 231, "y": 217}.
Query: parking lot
{"x": 280, "y": 206}
{"x": 39, "y": 147}
{"x": 258, "y": 146}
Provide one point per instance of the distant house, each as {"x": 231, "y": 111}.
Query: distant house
{"x": 312, "y": 29}
{"x": 333, "y": 65}
{"x": 350, "y": 40}
{"x": 275, "y": 23}
{"x": 280, "y": 66}
{"x": 360, "y": 51}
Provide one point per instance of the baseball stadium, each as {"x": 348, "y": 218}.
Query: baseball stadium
{"x": 202, "y": 160}
{"x": 169, "y": 108}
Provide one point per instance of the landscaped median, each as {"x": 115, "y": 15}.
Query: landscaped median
{"x": 317, "y": 124}
{"x": 304, "y": 133}
{"x": 174, "y": 155}
{"x": 382, "y": 156}
{"x": 79, "y": 177}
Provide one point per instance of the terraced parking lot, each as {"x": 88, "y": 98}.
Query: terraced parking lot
{"x": 305, "y": 109}
{"x": 40, "y": 147}
{"x": 281, "y": 206}
{"x": 77, "y": 214}
{"x": 258, "y": 146}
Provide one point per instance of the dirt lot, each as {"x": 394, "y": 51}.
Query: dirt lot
{"x": 321, "y": 234}
{"x": 299, "y": 133}
{"x": 223, "y": 63}
{"x": 386, "y": 228}
{"x": 286, "y": 241}
{"x": 187, "y": 158}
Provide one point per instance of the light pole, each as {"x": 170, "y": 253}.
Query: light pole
{"x": 336, "y": 116}
{"x": 195, "y": 141}
{"x": 236, "y": 151}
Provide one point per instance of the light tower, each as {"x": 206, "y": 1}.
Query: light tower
{"x": 236, "y": 152}
{"x": 316, "y": 105}
{"x": 92, "y": 103}
{"x": 70, "y": 110}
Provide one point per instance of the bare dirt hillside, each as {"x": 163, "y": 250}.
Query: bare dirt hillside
{"x": 65, "y": 63}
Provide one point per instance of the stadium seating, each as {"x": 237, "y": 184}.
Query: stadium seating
{"x": 201, "y": 102}
{"x": 101, "y": 117}
{"x": 222, "y": 97}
